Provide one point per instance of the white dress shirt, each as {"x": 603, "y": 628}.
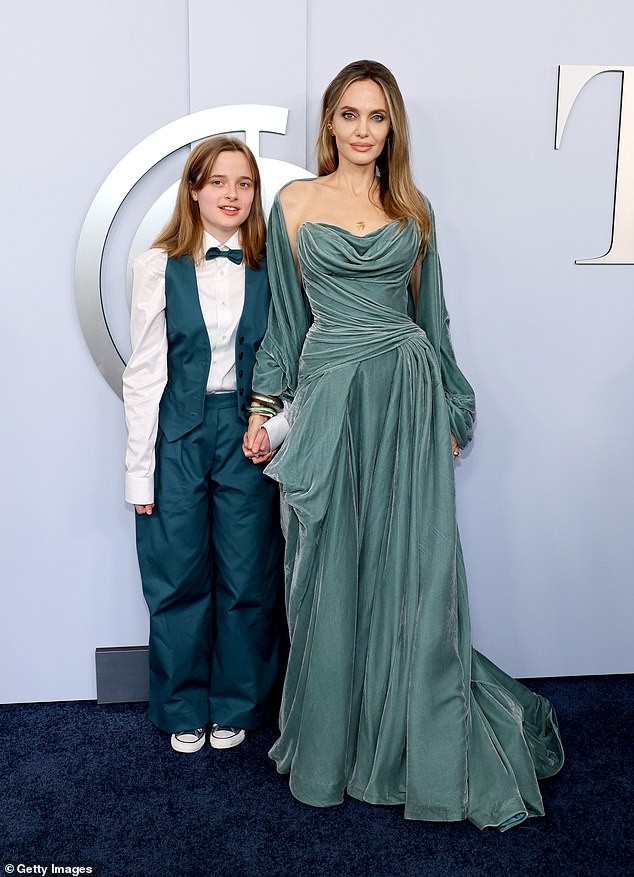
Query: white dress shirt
{"x": 221, "y": 293}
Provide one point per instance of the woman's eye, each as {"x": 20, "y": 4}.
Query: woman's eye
{"x": 347, "y": 115}
{"x": 378, "y": 117}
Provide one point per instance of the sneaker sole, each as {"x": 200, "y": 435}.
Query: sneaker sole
{"x": 226, "y": 743}
{"x": 187, "y": 748}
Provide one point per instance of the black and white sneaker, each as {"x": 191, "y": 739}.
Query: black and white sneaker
{"x": 224, "y": 737}
{"x": 188, "y": 741}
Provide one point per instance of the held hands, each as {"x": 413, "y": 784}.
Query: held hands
{"x": 454, "y": 447}
{"x": 256, "y": 445}
{"x": 144, "y": 509}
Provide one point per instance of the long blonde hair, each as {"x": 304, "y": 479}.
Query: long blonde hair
{"x": 183, "y": 234}
{"x": 398, "y": 194}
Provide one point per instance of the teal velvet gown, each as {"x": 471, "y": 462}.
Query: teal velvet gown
{"x": 384, "y": 697}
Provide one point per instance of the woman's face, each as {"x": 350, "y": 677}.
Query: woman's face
{"x": 361, "y": 123}
{"x": 226, "y": 198}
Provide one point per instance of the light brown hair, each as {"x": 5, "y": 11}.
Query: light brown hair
{"x": 183, "y": 234}
{"x": 398, "y": 194}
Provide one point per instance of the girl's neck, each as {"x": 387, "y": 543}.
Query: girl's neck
{"x": 224, "y": 237}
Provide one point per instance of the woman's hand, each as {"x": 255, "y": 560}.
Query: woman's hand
{"x": 256, "y": 445}
{"x": 144, "y": 509}
{"x": 454, "y": 447}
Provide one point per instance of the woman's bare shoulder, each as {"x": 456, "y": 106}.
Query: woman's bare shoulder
{"x": 302, "y": 200}
{"x": 296, "y": 194}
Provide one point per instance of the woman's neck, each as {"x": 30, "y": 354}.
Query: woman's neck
{"x": 357, "y": 181}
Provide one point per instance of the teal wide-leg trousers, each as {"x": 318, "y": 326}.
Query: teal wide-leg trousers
{"x": 210, "y": 559}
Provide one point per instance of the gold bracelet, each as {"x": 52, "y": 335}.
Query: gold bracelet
{"x": 273, "y": 402}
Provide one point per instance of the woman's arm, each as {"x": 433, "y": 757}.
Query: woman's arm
{"x": 432, "y": 316}
{"x": 277, "y": 361}
{"x": 145, "y": 377}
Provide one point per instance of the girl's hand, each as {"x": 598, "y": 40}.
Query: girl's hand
{"x": 454, "y": 447}
{"x": 144, "y": 509}
{"x": 256, "y": 445}
{"x": 255, "y": 423}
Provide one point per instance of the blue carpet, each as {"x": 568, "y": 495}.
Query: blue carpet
{"x": 98, "y": 786}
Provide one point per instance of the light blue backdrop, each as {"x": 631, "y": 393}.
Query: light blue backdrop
{"x": 545, "y": 493}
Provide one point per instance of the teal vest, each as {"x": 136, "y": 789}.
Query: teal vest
{"x": 189, "y": 352}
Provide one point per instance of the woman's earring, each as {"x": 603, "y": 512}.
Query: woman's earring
{"x": 330, "y": 128}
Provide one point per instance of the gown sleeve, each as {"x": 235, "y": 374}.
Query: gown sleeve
{"x": 277, "y": 362}
{"x": 432, "y": 316}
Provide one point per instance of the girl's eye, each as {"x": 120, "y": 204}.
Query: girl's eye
{"x": 245, "y": 184}
{"x": 215, "y": 183}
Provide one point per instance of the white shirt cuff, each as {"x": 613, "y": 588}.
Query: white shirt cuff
{"x": 139, "y": 490}
{"x": 277, "y": 427}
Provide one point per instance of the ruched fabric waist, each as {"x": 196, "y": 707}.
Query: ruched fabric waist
{"x": 329, "y": 346}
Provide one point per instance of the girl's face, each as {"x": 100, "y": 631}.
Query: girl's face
{"x": 226, "y": 198}
{"x": 361, "y": 123}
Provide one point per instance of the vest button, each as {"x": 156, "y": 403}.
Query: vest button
{"x": 241, "y": 339}
{"x": 240, "y": 373}
{"x": 242, "y": 391}
{"x": 243, "y": 407}
{"x": 240, "y": 355}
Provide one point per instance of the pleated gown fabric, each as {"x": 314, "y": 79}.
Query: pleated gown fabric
{"x": 384, "y": 697}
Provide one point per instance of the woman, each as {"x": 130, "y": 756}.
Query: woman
{"x": 208, "y": 541}
{"x": 384, "y": 698}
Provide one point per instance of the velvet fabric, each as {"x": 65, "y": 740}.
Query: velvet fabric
{"x": 384, "y": 697}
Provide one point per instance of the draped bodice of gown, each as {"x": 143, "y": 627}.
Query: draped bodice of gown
{"x": 357, "y": 287}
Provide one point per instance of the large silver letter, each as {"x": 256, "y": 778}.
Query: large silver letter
{"x": 572, "y": 78}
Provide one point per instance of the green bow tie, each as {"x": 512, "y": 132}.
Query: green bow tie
{"x": 234, "y": 256}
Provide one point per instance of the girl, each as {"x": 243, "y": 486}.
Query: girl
{"x": 208, "y": 538}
